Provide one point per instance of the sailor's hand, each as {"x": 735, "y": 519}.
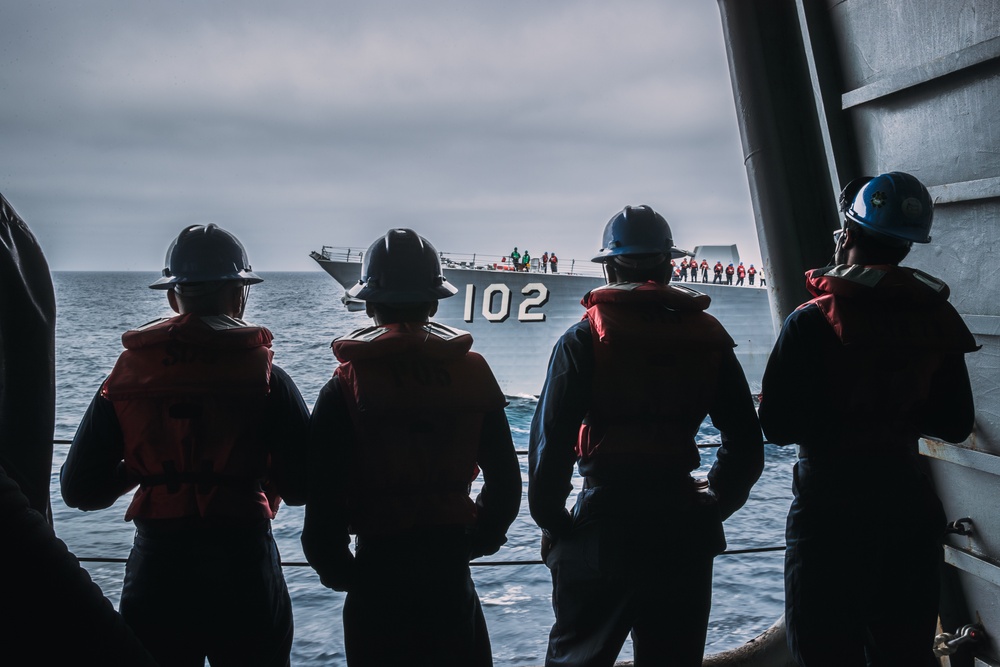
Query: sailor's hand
{"x": 547, "y": 543}
{"x": 338, "y": 574}
{"x": 484, "y": 544}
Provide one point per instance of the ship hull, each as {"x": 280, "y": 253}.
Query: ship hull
{"x": 515, "y": 318}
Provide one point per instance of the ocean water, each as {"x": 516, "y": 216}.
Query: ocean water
{"x": 304, "y": 313}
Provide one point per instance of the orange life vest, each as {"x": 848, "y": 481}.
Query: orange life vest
{"x": 417, "y": 398}
{"x": 895, "y": 324}
{"x": 647, "y": 337}
{"x": 189, "y": 394}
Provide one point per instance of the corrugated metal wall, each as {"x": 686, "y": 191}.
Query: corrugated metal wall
{"x": 916, "y": 87}
{"x": 830, "y": 90}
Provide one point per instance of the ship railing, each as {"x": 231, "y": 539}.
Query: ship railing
{"x": 475, "y": 563}
{"x": 342, "y": 254}
{"x": 477, "y": 261}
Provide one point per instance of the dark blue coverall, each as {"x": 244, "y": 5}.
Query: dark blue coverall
{"x": 197, "y": 588}
{"x": 635, "y": 555}
{"x": 865, "y": 527}
{"x": 410, "y": 597}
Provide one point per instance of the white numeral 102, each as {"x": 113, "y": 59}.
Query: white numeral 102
{"x": 497, "y": 302}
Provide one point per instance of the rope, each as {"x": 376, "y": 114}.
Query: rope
{"x": 481, "y": 563}
{"x": 475, "y": 563}
{"x": 520, "y": 452}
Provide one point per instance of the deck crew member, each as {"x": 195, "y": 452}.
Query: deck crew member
{"x": 195, "y": 414}
{"x": 751, "y": 272}
{"x": 396, "y": 438}
{"x": 684, "y": 269}
{"x": 856, "y": 376}
{"x": 554, "y": 263}
{"x": 718, "y": 273}
{"x": 526, "y": 261}
{"x": 545, "y": 262}
{"x": 729, "y": 274}
{"x": 704, "y": 270}
{"x": 515, "y": 259}
{"x": 741, "y": 273}
{"x": 618, "y": 565}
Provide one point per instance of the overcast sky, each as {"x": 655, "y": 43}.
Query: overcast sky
{"x": 299, "y": 124}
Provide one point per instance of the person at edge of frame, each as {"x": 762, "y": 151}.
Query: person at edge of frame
{"x": 54, "y": 613}
{"x": 636, "y": 552}
{"x": 856, "y": 376}
{"x": 197, "y": 416}
{"x": 397, "y": 437}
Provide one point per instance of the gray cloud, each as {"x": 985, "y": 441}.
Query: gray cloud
{"x": 481, "y": 126}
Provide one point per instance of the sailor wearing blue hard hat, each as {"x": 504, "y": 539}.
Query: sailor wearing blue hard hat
{"x": 881, "y": 344}
{"x": 609, "y": 404}
{"x": 894, "y": 209}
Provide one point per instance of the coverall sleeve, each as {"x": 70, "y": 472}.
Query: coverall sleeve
{"x": 288, "y": 427}
{"x": 93, "y": 475}
{"x": 325, "y": 537}
{"x": 795, "y": 400}
{"x": 555, "y": 428}
{"x": 950, "y": 413}
{"x": 500, "y": 497}
{"x": 50, "y": 595}
{"x": 740, "y": 459}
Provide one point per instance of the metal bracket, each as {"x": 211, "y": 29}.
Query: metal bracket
{"x": 961, "y": 526}
{"x": 948, "y": 643}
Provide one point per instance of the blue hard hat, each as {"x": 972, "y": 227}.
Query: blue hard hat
{"x": 205, "y": 253}
{"x": 637, "y": 230}
{"x": 401, "y": 267}
{"x": 895, "y": 204}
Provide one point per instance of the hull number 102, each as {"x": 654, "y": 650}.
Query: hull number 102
{"x": 496, "y": 302}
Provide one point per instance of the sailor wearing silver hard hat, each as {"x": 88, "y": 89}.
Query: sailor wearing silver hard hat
{"x": 407, "y": 422}
{"x": 209, "y": 433}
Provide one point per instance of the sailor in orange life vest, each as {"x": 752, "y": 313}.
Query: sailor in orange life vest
{"x": 198, "y": 417}
{"x": 396, "y": 439}
{"x": 856, "y": 376}
{"x": 635, "y": 554}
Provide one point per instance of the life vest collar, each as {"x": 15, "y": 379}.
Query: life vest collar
{"x": 888, "y": 303}
{"x": 883, "y": 281}
{"x": 675, "y": 297}
{"x": 428, "y": 338}
{"x": 214, "y": 331}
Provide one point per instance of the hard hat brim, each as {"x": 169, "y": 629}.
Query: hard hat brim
{"x": 167, "y": 282}
{"x": 363, "y": 292}
{"x": 605, "y": 255}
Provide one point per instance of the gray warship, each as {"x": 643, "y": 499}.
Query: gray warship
{"x": 515, "y": 317}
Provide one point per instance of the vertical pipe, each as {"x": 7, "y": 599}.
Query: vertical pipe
{"x": 783, "y": 146}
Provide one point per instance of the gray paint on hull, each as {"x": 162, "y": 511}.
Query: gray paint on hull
{"x": 518, "y": 346}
